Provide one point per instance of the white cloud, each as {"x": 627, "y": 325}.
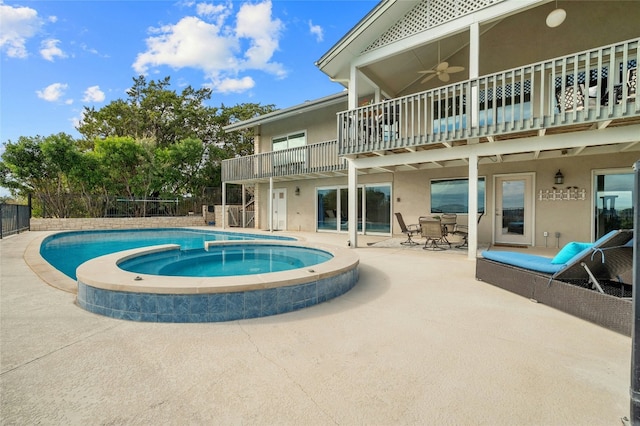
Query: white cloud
{"x": 49, "y": 49}
{"x": 235, "y": 85}
{"x": 53, "y": 92}
{"x": 18, "y": 25}
{"x": 317, "y": 31}
{"x": 52, "y": 19}
{"x": 93, "y": 94}
{"x": 212, "y": 45}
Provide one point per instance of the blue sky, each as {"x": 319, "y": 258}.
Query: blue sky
{"x": 59, "y": 56}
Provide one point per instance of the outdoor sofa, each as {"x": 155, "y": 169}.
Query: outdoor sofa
{"x": 582, "y": 280}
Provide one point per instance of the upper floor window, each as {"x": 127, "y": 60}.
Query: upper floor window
{"x": 292, "y": 140}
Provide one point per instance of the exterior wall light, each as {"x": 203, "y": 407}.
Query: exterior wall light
{"x": 297, "y": 191}
{"x": 559, "y": 179}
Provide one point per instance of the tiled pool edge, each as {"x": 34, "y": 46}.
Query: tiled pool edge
{"x": 214, "y": 307}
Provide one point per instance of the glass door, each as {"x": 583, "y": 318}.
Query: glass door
{"x": 613, "y": 201}
{"x": 514, "y": 209}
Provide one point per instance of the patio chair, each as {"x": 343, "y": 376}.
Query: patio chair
{"x": 632, "y": 82}
{"x": 463, "y": 231}
{"x": 431, "y": 229}
{"x": 570, "y": 99}
{"x": 607, "y": 259}
{"x": 407, "y": 230}
{"x": 448, "y": 222}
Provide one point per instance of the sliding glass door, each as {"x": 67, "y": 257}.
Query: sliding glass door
{"x": 373, "y": 209}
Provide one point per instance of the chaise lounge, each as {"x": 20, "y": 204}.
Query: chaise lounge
{"x": 583, "y": 279}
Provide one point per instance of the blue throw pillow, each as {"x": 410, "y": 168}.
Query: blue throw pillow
{"x": 570, "y": 250}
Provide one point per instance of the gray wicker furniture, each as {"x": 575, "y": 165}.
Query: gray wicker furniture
{"x": 570, "y": 289}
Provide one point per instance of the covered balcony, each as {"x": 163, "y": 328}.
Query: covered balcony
{"x": 587, "y": 90}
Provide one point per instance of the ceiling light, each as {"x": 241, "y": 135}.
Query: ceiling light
{"x": 556, "y": 17}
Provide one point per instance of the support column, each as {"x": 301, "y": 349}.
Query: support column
{"x": 353, "y": 205}
{"x": 472, "y": 238}
{"x": 270, "y": 204}
{"x": 244, "y": 208}
{"x": 224, "y": 203}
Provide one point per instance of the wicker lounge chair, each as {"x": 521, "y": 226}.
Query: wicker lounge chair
{"x": 407, "y": 230}
{"x": 565, "y": 285}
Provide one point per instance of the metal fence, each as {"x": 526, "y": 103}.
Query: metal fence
{"x": 14, "y": 218}
{"x": 83, "y": 206}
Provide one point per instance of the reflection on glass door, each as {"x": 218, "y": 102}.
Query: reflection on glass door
{"x": 514, "y": 209}
{"x": 373, "y": 209}
{"x": 613, "y": 202}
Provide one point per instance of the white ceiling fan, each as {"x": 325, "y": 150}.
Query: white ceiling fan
{"x": 442, "y": 70}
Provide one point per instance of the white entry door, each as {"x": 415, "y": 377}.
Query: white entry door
{"x": 279, "y": 209}
{"x": 514, "y": 209}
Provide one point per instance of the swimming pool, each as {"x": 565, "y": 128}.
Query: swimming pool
{"x": 104, "y": 288}
{"x": 68, "y": 250}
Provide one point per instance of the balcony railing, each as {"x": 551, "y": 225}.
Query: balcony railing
{"x": 304, "y": 160}
{"x": 598, "y": 85}
{"x": 591, "y": 86}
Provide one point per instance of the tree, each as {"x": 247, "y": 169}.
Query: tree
{"x": 45, "y": 168}
{"x": 153, "y": 111}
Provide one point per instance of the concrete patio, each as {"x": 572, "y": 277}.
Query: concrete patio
{"x": 417, "y": 341}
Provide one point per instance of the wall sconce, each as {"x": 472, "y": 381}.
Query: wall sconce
{"x": 559, "y": 179}
{"x": 297, "y": 191}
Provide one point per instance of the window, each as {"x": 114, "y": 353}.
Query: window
{"x": 613, "y": 200}
{"x": 289, "y": 142}
{"x": 292, "y": 140}
{"x": 452, "y": 195}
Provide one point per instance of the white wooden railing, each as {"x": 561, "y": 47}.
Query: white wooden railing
{"x": 315, "y": 158}
{"x": 586, "y": 87}
{"x": 590, "y": 86}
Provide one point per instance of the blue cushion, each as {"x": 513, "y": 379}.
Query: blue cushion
{"x": 524, "y": 260}
{"x": 568, "y": 251}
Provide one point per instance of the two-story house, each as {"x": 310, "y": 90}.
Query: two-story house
{"x": 521, "y": 112}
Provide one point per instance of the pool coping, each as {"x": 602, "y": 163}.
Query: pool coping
{"x": 103, "y": 272}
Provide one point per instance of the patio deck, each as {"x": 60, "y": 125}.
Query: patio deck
{"x": 417, "y": 341}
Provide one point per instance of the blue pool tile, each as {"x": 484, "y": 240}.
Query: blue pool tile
{"x": 181, "y": 304}
{"x": 131, "y": 316}
{"x": 149, "y": 304}
{"x": 217, "y": 317}
{"x": 253, "y": 303}
{"x": 118, "y": 301}
{"x": 218, "y": 303}
{"x": 148, "y": 317}
{"x": 198, "y": 304}
{"x": 269, "y": 302}
{"x": 164, "y": 304}
{"x": 235, "y": 304}
{"x": 133, "y": 302}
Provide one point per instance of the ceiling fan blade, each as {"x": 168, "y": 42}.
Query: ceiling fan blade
{"x": 442, "y": 66}
{"x": 427, "y": 72}
{"x": 452, "y": 70}
{"x": 444, "y": 77}
{"x": 427, "y": 78}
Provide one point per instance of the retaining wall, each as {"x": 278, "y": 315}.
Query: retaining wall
{"x": 55, "y": 224}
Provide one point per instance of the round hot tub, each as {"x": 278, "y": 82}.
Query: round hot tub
{"x": 258, "y": 278}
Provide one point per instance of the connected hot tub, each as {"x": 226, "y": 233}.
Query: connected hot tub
{"x": 262, "y": 278}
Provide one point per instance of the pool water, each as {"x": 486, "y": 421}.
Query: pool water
{"x": 227, "y": 260}
{"x": 67, "y": 250}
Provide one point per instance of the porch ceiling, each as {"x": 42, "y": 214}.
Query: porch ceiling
{"x": 505, "y": 43}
